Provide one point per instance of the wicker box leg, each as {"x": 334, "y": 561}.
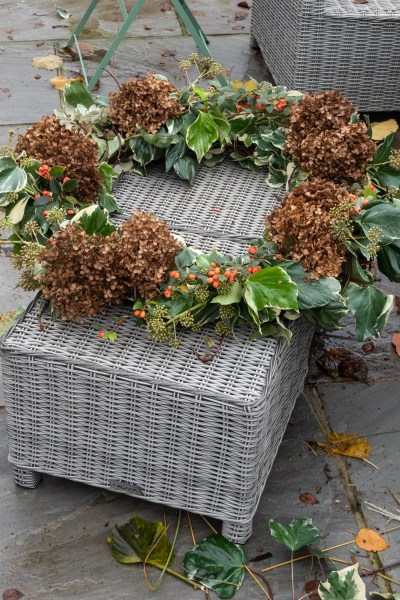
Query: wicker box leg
{"x": 237, "y": 532}
{"x": 253, "y": 41}
{"x": 26, "y": 477}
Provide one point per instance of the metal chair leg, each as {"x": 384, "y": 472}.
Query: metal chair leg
{"x": 82, "y": 23}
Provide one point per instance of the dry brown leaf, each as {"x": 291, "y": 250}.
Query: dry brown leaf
{"x": 382, "y": 129}
{"x": 85, "y": 49}
{"x": 396, "y": 342}
{"x": 49, "y": 62}
{"x": 311, "y": 589}
{"x": 369, "y": 540}
{"x": 12, "y": 594}
{"x": 198, "y": 13}
{"x": 244, "y": 4}
{"x": 59, "y": 82}
{"x": 308, "y": 498}
{"x": 346, "y": 444}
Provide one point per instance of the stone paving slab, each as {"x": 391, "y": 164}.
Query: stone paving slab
{"x": 53, "y": 538}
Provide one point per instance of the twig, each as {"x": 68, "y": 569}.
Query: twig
{"x": 209, "y": 524}
{"x": 115, "y": 79}
{"x": 395, "y": 496}
{"x": 383, "y": 511}
{"x": 384, "y": 568}
{"x": 250, "y": 572}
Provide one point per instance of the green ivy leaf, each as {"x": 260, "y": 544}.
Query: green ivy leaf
{"x": 218, "y": 564}
{"x": 108, "y": 202}
{"x": 383, "y": 151}
{"x": 77, "y": 93}
{"x": 185, "y": 258}
{"x": 221, "y": 122}
{"x": 386, "y": 217}
{"x": 235, "y": 295}
{"x": 186, "y": 168}
{"x": 371, "y": 309}
{"x": 345, "y": 584}
{"x": 295, "y": 535}
{"x": 242, "y": 124}
{"x": 97, "y": 222}
{"x": 388, "y": 177}
{"x": 327, "y": 317}
{"x": 132, "y": 542}
{"x": 12, "y": 178}
{"x": 107, "y": 173}
{"x": 143, "y": 152}
{"x": 57, "y": 171}
{"x": 18, "y": 210}
{"x": 174, "y": 153}
{"x": 276, "y": 178}
{"x": 64, "y": 14}
{"x": 270, "y": 287}
{"x": 389, "y": 261}
{"x": 312, "y": 292}
{"x": 70, "y": 185}
{"x": 160, "y": 140}
{"x": 201, "y": 134}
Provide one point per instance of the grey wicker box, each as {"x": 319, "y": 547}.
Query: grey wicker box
{"x": 317, "y": 45}
{"x": 142, "y": 418}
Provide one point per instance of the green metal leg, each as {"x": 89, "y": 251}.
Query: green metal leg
{"x": 196, "y": 32}
{"x": 120, "y": 36}
{"x": 193, "y": 19}
{"x": 82, "y": 23}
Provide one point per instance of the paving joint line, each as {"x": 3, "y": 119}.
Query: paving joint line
{"x": 317, "y": 405}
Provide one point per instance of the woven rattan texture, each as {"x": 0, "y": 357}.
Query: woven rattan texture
{"x": 142, "y": 418}
{"x": 315, "y": 45}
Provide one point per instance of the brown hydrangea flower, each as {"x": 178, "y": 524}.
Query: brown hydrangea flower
{"x": 304, "y": 226}
{"x": 50, "y": 142}
{"x": 322, "y": 140}
{"x": 144, "y": 102}
{"x": 146, "y": 251}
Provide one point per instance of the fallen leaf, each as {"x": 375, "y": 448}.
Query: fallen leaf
{"x": 396, "y": 342}
{"x": 198, "y": 13}
{"x": 59, "y": 82}
{"x": 368, "y": 347}
{"x": 369, "y": 540}
{"x": 37, "y": 76}
{"x": 148, "y": 27}
{"x": 238, "y": 27}
{"x": 39, "y": 43}
{"x": 346, "y": 444}
{"x": 249, "y": 85}
{"x": 49, "y": 62}
{"x": 168, "y": 53}
{"x": 339, "y": 361}
{"x": 166, "y": 6}
{"x": 311, "y": 589}
{"x": 9, "y": 30}
{"x": 383, "y": 129}
{"x": 12, "y": 594}
{"x": 360, "y": 1}
{"x": 244, "y": 4}
{"x": 38, "y": 25}
{"x": 64, "y": 14}
{"x": 308, "y": 498}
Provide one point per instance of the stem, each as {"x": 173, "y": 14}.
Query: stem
{"x": 265, "y": 580}
{"x": 292, "y": 574}
{"x": 196, "y": 586}
{"x": 252, "y": 574}
{"x": 115, "y": 79}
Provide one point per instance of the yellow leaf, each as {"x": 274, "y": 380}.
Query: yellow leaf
{"x": 369, "y": 540}
{"x": 382, "y": 129}
{"x": 49, "y": 62}
{"x": 59, "y": 82}
{"x": 346, "y": 445}
{"x": 249, "y": 86}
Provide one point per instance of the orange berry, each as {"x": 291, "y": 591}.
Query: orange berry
{"x": 261, "y": 106}
{"x": 279, "y": 256}
{"x": 177, "y": 275}
{"x": 167, "y": 293}
{"x": 365, "y": 202}
{"x": 210, "y": 280}
{"x": 136, "y": 313}
{"x": 249, "y": 269}
{"x": 70, "y": 212}
{"x": 45, "y": 213}
{"x": 213, "y": 264}
{"x": 252, "y": 250}
{"x": 142, "y": 314}
{"x": 216, "y": 278}
{"x": 172, "y": 274}
{"x": 211, "y": 273}
{"x": 192, "y": 276}
{"x": 170, "y": 288}
{"x": 228, "y": 274}
{"x": 102, "y": 334}
{"x": 216, "y": 284}
{"x": 217, "y": 271}
{"x": 239, "y": 107}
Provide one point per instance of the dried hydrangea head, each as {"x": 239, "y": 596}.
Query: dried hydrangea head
{"x": 322, "y": 140}
{"x": 147, "y": 251}
{"x": 144, "y": 102}
{"x": 82, "y": 273}
{"x": 48, "y": 141}
{"x": 338, "y": 154}
{"x": 304, "y": 226}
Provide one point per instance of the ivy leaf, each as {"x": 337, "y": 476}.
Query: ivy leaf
{"x": 143, "y": 152}
{"x": 389, "y": 261}
{"x": 312, "y": 292}
{"x": 201, "y": 134}
{"x": 386, "y": 217}
{"x": 388, "y": 177}
{"x": 371, "y": 309}
{"x": 383, "y": 151}
{"x": 235, "y": 295}
{"x": 97, "y": 222}
{"x": 174, "y": 153}
{"x": 295, "y": 535}
{"x": 107, "y": 173}
{"x": 221, "y": 122}
{"x": 186, "y": 168}
{"x": 77, "y": 93}
{"x": 18, "y": 210}
{"x": 218, "y": 564}
{"x": 270, "y": 287}
{"x": 12, "y": 178}
{"x": 345, "y": 584}
{"x": 108, "y": 201}
{"x": 132, "y": 542}
{"x": 159, "y": 140}
{"x": 185, "y": 258}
